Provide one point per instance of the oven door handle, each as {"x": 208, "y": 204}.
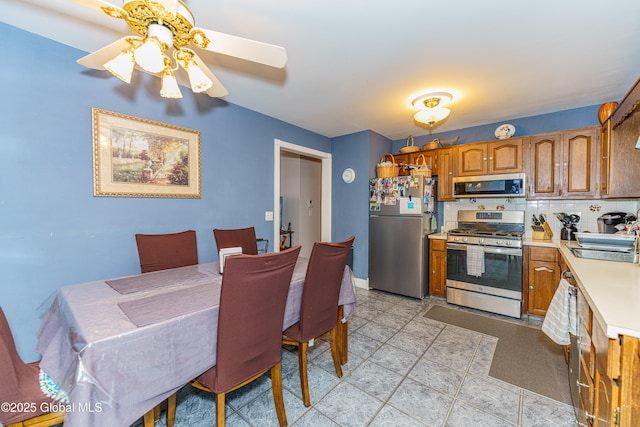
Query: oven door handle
{"x": 487, "y": 249}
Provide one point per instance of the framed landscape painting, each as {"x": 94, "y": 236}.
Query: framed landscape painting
{"x": 134, "y": 157}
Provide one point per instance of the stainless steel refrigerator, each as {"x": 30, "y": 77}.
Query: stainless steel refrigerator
{"x": 401, "y": 216}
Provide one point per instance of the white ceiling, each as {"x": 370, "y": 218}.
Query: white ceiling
{"x": 357, "y": 64}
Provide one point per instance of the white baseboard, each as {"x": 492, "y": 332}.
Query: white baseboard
{"x": 362, "y": 283}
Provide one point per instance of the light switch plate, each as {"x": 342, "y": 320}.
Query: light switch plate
{"x": 268, "y": 216}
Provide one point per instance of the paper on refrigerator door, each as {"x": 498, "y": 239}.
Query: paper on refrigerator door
{"x": 410, "y": 205}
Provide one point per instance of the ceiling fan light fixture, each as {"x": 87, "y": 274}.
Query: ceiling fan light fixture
{"x": 150, "y": 55}
{"x": 122, "y": 66}
{"x": 198, "y": 80}
{"x": 170, "y": 88}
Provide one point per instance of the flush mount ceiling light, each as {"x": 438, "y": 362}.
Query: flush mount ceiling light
{"x": 165, "y": 28}
{"x": 431, "y": 106}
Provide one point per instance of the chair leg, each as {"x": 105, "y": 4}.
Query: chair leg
{"x": 333, "y": 336}
{"x": 171, "y": 410}
{"x": 220, "y": 397}
{"x": 343, "y": 337}
{"x": 149, "y": 418}
{"x": 304, "y": 380}
{"x": 278, "y": 399}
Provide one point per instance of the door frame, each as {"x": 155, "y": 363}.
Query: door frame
{"x": 325, "y": 198}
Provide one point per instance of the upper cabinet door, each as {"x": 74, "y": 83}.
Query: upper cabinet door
{"x": 505, "y": 156}
{"x": 545, "y": 154}
{"x": 445, "y": 174}
{"x": 489, "y": 157}
{"x": 564, "y": 164}
{"x": 579, "y": 162}
{"x": 471, "y": 159}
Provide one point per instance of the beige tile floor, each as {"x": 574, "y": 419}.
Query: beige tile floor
{"x": 403, "y": 370}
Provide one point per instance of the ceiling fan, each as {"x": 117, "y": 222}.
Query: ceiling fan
{"x": 166, "y": 28}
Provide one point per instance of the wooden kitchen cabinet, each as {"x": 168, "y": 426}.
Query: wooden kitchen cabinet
{"x": 401, "y": 159}
{"x": 610, "y": 372}
{"x": 430, "y": 158}
{"x": 438, "y": 266}
{"x": 605, "y": 145}
{"x": 543, "y": 276}
{"x": 564, "y": 164}
{"x": 412, "y": 159}
{"x": 624, "y": 158}
{"x": 445, "y": 174}
{"x": 493, "y": 157}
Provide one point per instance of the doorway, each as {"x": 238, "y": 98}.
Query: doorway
{"x": 302, "y": 195}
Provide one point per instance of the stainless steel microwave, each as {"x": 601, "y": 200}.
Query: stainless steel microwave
{"x": 502, "y": 185}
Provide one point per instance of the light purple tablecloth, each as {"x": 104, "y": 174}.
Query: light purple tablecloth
{"x": 113, "y": 370}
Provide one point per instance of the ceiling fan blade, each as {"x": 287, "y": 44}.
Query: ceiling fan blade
{"x": 216, "y": 91}
{"x": 98, "y": 5}
{"x": 250, "y": 50}
{"x": 97, "y": 59}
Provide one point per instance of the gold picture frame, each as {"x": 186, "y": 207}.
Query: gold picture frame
{"x": 134, "y": 157}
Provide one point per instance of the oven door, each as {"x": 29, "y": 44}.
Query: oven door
{"x": 503, "y": 270}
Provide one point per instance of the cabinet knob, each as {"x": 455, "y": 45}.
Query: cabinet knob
{"x": 530, "y": 287}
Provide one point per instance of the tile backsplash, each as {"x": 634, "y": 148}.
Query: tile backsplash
{"x": 588, "y": 210}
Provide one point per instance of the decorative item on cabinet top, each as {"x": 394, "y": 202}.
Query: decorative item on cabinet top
{"x": 387, "y": 169}
{"x": 410, "y": 146}
{"x": 505, "y": 131}
{"x": 421, "y": 167}
{"x": 606, "y": 110}
{"x": 440, "y": 143}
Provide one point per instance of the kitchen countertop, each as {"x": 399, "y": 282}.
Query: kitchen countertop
{"x": 441, "y": 235}
{"x": 612, "y": 289}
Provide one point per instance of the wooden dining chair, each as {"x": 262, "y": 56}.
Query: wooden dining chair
{"x": 163, "y": 251}
{"x": 19, "y": 384}
{"x": 319, "y": 306}
{"x": 253, "y": 297}
{"x": 238, "y": 237}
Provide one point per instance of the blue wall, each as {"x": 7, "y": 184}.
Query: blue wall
{"x": 568, "y": 119}
{"x": 350, "y": 202}
{"x": 53, "y": 231}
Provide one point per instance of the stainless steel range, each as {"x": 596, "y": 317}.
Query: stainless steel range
{"x": 484, "y": 261}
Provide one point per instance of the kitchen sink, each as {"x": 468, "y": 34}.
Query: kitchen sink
{"x": 626, "y": 255}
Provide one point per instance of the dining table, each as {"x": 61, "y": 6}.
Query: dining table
{"x": 119, "y": 347}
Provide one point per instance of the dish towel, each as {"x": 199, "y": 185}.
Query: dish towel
{"x": 475, "y": 260}
{"x": 562, "y": 316}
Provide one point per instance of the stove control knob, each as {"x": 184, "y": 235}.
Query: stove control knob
{"x": 481, "y": 241}
{"x": 464, "y": 239}
{"x": 499, "y": 242}
{"x": 509, "y": 243}
{"x": 457, "y": 239}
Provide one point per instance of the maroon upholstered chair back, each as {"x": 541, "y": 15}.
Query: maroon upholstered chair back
{"x": 242, "y": 237}
{"x": 319, "y": 306}
{"x": 252, "y": 303}
{"x": 18, "y": 381}
{"x": 163, "y": 251}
